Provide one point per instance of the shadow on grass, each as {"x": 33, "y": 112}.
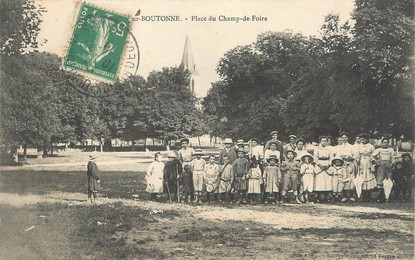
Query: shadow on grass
{"x": 77, "y": 232}
{"x": 113, "y": 184}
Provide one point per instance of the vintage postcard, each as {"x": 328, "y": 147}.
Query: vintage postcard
{"x": 190, "y": 129}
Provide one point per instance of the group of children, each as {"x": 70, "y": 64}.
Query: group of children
{"x": 247, "y": 172}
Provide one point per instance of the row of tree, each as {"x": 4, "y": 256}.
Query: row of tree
{"x": 41, "y": 105}
{"x": 356, "y": 78}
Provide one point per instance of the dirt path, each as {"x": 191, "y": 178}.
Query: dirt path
{"x": 277, "y": 216}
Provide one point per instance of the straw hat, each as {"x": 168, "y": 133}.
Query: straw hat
{"x": 272, "y": 157}
{"x": 240, "y": 142}
{"x": 292, "y": 151}
{"x": 228, "y": 141}
{"x": 198, "y": 152}
{"x": 307, "y": 155}
{"x": 93, "y": 156}
{"x": 172, "y": 154}
{"x": 337, "y": 159}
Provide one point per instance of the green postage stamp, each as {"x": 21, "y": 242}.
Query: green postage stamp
{"x": 97, "y": 44}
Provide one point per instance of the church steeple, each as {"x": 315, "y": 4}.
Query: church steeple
{"x": 188, "y": 63}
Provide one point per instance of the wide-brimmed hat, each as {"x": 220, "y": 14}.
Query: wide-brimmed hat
{"x": 307, "y": 155}
{"x": 292, "y": 151}
{"x": 333, "y": 161}
{"x": 240, "y": 142}
{"x": 240, "y": 150}
{"x": 273, "y": 133}
{"x": 172, "y": 154}
{"x": 93, "y": 156}
{"x": 198, "y": 152}
{"x": 228, "y": 141}
{"x": 255, "y": 140}
{"x": 272, "y": 157}
{"x": 292, "y": 136}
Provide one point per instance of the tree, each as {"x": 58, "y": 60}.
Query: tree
{"x": 20, "y": 22}
{"x": 384, "y": 43}
{"x": 29, "y": 101}
{"x": 256, "y": 81}
{"x": 168, "y": 107}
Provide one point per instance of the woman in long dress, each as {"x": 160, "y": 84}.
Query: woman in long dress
{"x": 365, "y": 167}
{"x": 322, "y": 180}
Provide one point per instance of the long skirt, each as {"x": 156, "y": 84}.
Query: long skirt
{"x": 369, "y": 179}
{"x": 322, "y": 181}
{"x": 254, "y": 186}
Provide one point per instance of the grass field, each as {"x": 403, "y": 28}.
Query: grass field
{"x": 44, "y": 215}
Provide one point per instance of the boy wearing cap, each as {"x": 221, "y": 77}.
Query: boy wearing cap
{"x": 337, "y": 171}
{"x": 198, "y": 169}
{"x": 307, "y": 173}
{"x": 172, "y": 172}
{"x": 92, "y": 178}
{"x": 227, "y": 151}
{"x": 240, "y": 171}
{"x": 291, "y": 170}
{"x": 272, "y": 179}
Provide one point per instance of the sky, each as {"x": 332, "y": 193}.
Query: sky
{"x": 161, "y": 43}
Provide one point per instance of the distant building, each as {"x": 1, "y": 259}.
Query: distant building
{"x": 189, "y": 64}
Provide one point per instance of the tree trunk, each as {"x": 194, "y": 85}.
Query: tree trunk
{"x": 198, "y": 139}
{"x": 145, "y": 143}
{"x": 51, "y": 149}
{"x": 24, "y": 151}
{"x": 45, "y": 151}
{"x": 132, "y": 146}
{"x": 101, "y": 145}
